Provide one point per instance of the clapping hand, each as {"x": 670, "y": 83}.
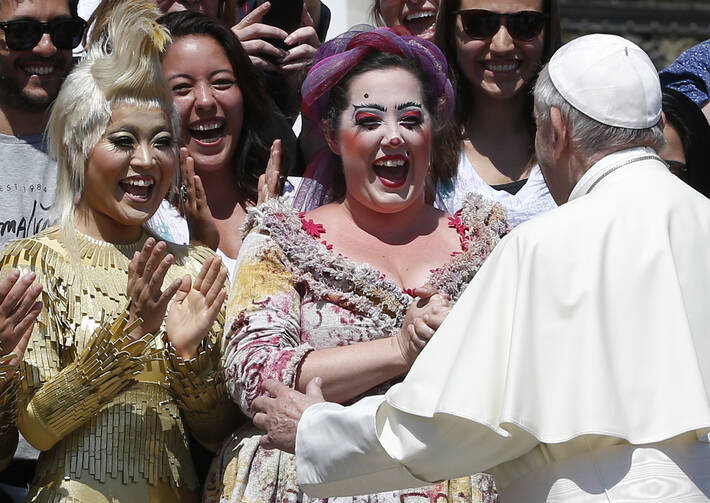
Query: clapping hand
{"x": 148, "y": 301}
{"x": 196, "y": 307}
{"x": 269, "y": 181}
{"x": 193, "y": 202}
{"x": 18, "y": 311}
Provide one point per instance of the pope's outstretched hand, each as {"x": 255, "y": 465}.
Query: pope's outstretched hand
{"x": 278, "y": 414}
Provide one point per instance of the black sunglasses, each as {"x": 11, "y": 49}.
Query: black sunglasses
{"x": 482, "y": 24}
{"x": 24, "y": 34}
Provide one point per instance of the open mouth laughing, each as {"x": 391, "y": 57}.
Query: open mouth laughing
{"x": 391, "y": 170}
{"x": 421, "y": 21}
{"x": 208, "y": 132}
{"x": 138, "y": 188}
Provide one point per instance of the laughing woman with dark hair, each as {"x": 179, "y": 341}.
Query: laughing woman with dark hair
{"x": 227, "y": 124}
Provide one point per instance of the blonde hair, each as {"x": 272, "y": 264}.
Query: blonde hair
{"x": 121, "y": 67}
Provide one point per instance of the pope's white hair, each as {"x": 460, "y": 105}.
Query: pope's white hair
{"x": 590, "y": 136}
{"x": 123, "y": 67}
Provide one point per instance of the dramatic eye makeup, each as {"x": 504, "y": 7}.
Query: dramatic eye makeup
{"x": 121, "y": 140}
{"x": 411, "y": 114}
{"x": 368, "y": 115}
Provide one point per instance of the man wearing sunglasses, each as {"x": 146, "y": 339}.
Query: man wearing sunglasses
{"x": 586, "y": 330}
{"x": 36, "y": 39}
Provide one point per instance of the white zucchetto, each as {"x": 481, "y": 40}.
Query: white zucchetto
{"x": 609, "y": 79}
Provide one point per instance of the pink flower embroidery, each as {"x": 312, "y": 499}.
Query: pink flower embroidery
{"x": 312, "y": 229}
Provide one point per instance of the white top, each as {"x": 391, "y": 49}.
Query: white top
{"x": 532, "y": 199}
{"x": 589, "y": 325}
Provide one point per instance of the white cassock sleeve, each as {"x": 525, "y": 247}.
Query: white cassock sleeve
{"x": 371, "y": 447}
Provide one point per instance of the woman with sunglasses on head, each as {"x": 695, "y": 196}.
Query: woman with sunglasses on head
{"x": 124, "y": 358}
{"x": 495, "y": 48}
{"x": 331, "y": 293}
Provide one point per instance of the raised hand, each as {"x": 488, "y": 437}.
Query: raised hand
{"x": 193, "y": 202}
{"x": 196, "y": 307}
{"x": 146, "y": 274}
{"x": 251, "y": 32}
{"x": 279, "y": 413}
{"x": 18, "y": 312}
{"x": 269, "y": 181}
{"x": 303, "y": 43}
{"x": 423, "y": 317}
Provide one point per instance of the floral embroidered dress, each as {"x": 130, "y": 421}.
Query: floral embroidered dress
{"x": 292, "y": 295}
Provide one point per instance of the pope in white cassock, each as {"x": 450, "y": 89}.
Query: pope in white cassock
{"x": 588, "y": 325}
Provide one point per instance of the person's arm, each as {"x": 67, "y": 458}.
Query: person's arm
{"x": 265, "y": 307}
{"x": 18, "y": 312}
{"x": 8, "y": 396}
{"x": 348, "y": 371}
{"x": 372, "y": 446}
{"x": 61, "y": 391}
{"x": 195, "y": 374}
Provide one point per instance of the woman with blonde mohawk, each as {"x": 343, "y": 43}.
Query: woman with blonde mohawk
{"x": 124, "y": 357}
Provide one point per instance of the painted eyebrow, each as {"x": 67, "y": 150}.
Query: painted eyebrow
{"x": 123, "y": 129}
{"x": 370, "y": 105}
{"x": 134, "y": 131}
{"x": 160, "y": 129}
{"x": 409, "y": 104}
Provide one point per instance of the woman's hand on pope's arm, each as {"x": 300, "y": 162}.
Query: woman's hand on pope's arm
{"x": 278, "y": 414}
{"x": 196, "y": 308}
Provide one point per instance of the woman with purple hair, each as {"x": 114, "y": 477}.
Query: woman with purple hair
{"x": 331, "y": 293}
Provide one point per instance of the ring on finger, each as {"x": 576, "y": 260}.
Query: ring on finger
{"x": 184, "y": 194}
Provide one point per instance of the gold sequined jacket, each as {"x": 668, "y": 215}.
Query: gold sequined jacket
{"x": 111, "y": 414}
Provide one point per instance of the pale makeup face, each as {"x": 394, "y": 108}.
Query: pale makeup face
{"x": 208, "y": 98}
{"x": 384, "y": 140}
{"x": 419, "y": 16}
{"x": 32, "y": 78}
{"x": 130, "y": 169}
{"x": 499, "y": 67}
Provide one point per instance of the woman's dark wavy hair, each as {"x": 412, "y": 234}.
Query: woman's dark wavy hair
{"x": 694, "y": 131}
{"x": 259, "y": 128}
{"x": 448, "y": 142}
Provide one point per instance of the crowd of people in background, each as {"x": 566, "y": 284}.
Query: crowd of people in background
{"x": 168, "y": 243}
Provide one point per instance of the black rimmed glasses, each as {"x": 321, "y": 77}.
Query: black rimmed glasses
{"x": 24, "y": 34}
{"x": 482, "y": 24}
